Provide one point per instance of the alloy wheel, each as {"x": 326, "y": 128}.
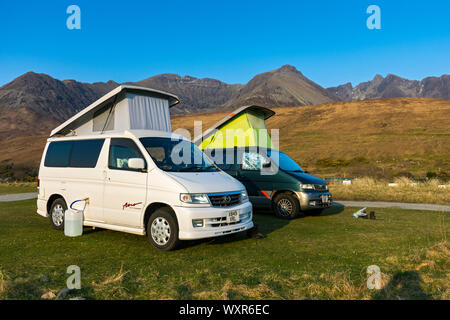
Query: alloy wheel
{"x": 58, "y": 215}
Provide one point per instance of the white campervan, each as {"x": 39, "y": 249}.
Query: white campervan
{"x": 136, "y": 176}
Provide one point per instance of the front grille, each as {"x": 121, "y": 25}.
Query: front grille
{"x": 222, "y": 221}
{"x": 225, "y": 199}
{"x": 320, "y": 187}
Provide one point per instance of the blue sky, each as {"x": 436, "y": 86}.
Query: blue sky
{"x": 228, "y": 40}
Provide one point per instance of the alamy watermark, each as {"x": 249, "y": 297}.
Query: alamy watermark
{"x": 374, "y": 280}
{"x": 374, "y": 20}
{"x": 73, "y": 22}
{"x": 74, "y": 280}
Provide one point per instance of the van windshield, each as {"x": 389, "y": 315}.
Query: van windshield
{"x": 285, "y": 162}
{"x": 177, "y": 155}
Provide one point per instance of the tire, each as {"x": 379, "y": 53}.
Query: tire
{"x": 56, "y": 213}
{"x": 162, "y": 230}
{"x": 315, "y": 212}
{"x": 286, "y": 206}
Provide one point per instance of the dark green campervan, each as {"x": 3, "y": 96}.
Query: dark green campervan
{"x": 272, "y": 179}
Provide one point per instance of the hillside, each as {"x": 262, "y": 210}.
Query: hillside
{"x": 393, "y": 86}
{"x": 33, "y": 103}
{"x": 379, "y": 138}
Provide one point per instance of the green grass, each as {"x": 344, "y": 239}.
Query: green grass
{"x": 322, "y": 257}
{"x": 20, "y": 187}
{"x": 406, "y": 190}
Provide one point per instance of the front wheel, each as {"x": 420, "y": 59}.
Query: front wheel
{"x": 162, "y": 230}
{"x": 286, "y": 206}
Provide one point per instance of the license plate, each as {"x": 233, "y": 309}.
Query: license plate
{"x": 232, "y": 216}
{"x": 325, "y": 198}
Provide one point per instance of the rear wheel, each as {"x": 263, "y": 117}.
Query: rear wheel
{"x": 162, "y": 230}
{"x": 286, "y": 206}
{"x": 56, "y": 215}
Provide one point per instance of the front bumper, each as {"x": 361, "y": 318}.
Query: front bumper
{"x": 214, "y": 221}
{"x": 314, "y": 200}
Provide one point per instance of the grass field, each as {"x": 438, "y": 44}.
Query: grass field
{"x": 322, "y": 257}
{"x": 20, "y": 187}
{"x": 405, "y": 190}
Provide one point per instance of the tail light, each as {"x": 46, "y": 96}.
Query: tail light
{"x": 38, "y": 183}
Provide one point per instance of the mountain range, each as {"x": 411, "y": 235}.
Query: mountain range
{"x": 34, "y": 103}
{"x": 393, "y": 86}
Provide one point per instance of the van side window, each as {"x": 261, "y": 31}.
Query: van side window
{"x": 253, "y": 161}
{"x": 73, "y": 154}
{"x": 85, "y": 153}
{"x": 120, "y": 151}
{"x": 58, "y": 154}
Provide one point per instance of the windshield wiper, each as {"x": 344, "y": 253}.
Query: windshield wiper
{"x": 197, "y": 168}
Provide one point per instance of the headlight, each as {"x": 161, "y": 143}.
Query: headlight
{"x": 244, "y": 195}
{"x": 197, "y": 198}
{"x": 307, "y": 186}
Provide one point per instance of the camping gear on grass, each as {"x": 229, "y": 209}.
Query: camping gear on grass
{"x": 73, "y": 220}
{"x": 360, "y": 214}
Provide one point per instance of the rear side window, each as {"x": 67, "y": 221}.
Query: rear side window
{"x": 58, "y": 154}
{"x": 85, "y": 153}
{"x": 74, "y": 154}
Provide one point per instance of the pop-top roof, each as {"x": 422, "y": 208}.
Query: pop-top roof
{"x": 112, "y": 97}
{"x": 265, "y": 112}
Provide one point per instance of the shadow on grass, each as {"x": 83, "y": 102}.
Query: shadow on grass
{"x": 90, "y": 230}
{"x": 266, "y": 224}
{"x": 406, "y": 285}
{"x": 335, "y": 209}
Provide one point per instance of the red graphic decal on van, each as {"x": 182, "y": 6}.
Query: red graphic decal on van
{"x": 128, "y": 205}
{"x": 265, "y": 194}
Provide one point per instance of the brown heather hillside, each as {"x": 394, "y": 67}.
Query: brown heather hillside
{"x": 379, "y": 138}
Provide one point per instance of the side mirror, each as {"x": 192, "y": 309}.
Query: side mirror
{"x": 136, "y": 163}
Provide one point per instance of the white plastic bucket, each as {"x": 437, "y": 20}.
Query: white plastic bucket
{"x": 73, "y": 220}
{"x": 73, "y": 223}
